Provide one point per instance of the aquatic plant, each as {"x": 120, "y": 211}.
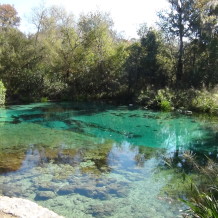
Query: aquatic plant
{"x": 204, "y": 205}
{"x": 200, "y": 186}
{"x": 204, "y": 201}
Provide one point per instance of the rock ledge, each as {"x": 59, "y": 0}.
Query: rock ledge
{"x": 22, "y": 208}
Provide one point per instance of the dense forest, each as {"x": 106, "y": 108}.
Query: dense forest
{"x": 172, "y": 65}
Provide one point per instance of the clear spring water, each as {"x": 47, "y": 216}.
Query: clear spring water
{"x": 96, "y": 160}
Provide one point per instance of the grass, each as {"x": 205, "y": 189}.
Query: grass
{"x": 200, "y": 183}
{"x": 204, "y": 205}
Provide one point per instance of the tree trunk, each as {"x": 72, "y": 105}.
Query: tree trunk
{"x": 181, "y": 48}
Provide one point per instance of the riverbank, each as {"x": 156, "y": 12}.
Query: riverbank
{"x": 182, "y": 101}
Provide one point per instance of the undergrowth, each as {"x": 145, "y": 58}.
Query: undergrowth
{"x": 169, "y": 99}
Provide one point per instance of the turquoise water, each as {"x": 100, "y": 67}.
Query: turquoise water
{"x": 97, "y": 160}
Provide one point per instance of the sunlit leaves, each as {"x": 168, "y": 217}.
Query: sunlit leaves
{"x": 8, "y": 16}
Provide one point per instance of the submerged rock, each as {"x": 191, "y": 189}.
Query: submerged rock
{"x": 44, "y": 195}
{"x": 101, "y": 210}
{"x": 12, "y": 191}
{"x": 47, "y": 186}
{"x": 66, "y": 190}
{"x": 118, "y": 190}
{"x": 92, "y": 192}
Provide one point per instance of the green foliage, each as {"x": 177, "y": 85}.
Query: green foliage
{"x": 205, "y": 101}
{"x": 204, "y": 196}
{"x": 199, "y": 185}
{"x": 147, "y": 98}
{"x": 149, "y": 62}
{"x": 196, "y": 60}
{"x": 190, "y": 99}
{"x": 44, "y": 99}
{"x": 165, "y": 105}
{"x": 69, "y": 59}
{"x": 2, "y": 93}
{"x": 163, "y": 98}
{"x": 204, "y": 205}
{"x": 20, "y": 65}
{"x": 8, "y": 16}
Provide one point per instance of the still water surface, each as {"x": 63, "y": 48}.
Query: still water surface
{"x": 97, "y": 160}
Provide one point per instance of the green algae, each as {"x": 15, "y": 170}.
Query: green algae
{"x": 22, "y": 135}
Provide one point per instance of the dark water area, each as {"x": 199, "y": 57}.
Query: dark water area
{"x": 98, "y": 160}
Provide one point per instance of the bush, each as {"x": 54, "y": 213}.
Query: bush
{"x": 44, "y": 100}
{"x": 2, "y": 93}
{"x": 204, "y": 101}
{"x": 156, "y": 99}
{"x": 165, "y": 105}
{"x": 147, "y": 98}
{"x": 164, "y": 98}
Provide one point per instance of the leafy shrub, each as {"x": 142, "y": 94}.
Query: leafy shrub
{"x": 183, "y": 98}
{"x": 2, "y": 93}
{"x": 204, "y": 101}
{"x": 44, "y": 99}
{"x": 165, "y": 105}
{"x": 161, "y": 99}
{"x": 147, "y": 97}
{"x": 164, "y": 98}
{"x": 191, "y": 99}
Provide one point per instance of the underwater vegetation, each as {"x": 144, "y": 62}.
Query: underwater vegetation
{"x": 104, "y": 161}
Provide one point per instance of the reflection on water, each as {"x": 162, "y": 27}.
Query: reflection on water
{"x": 85, "y": 160}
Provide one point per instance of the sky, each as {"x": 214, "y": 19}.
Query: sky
{"x": 126, "y": 14}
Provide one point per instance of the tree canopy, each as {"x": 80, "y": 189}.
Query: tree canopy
{"x": 68, "y": 58}
{"x": 8, "y": 16}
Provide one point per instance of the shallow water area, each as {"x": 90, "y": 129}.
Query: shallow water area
{"x": 96, "y": 160}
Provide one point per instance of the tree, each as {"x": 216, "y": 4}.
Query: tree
{"x": 177, "y": 22}
{"x": 98, "y": 41}
{"x": 38, "y": 16}
{"x": 8, "y": 16}
{"x": 201, "y": 55}
{"x": 20, "y": 65}
{"x": 194, "y": 24}
{"x": 205, "y": 23}
{"x": 150, "y": 62}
